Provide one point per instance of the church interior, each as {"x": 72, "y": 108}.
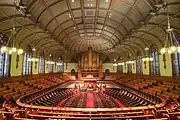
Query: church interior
{"x": 89, "y": 59}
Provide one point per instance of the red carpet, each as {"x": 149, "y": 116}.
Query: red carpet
{"x": 119, "y": 103}
{"x": 90, "y": 100}
{"x": 61, "y": 103}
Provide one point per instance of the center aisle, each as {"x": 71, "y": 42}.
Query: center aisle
{"x": 90, "y": 100}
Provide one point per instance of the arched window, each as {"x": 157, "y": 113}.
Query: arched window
{"x": 120, "y": 68}
{"x": 176, "y": 64}
{"x": 51, "y": 65}
{"x": 176, "y": 60}
{"x": 4, "y": 64}
{"x": 41, "y": 64}
{"x": 27, "y": 63}
{"x": 129, "y": 65}
{"x": 139, "y": 64}
{"x": 154, "y": 65}
{"x": 60, "y": 65}
{"x": 4, "y": 58}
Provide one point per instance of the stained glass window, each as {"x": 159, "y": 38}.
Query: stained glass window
{"x": 120, "y": 69}
{"x": 176, "y": 60}
{"x": 176, "y": 64}
{"x": 154, "y": 65}
{"x": 41, "y": 64}
{"x": 129, "y": 68}
{"x": 1, "y": 64}
{"x": 27, "y": 65}
{"x": 139, "y": 65}
{"x": 60, "y": 65}
{"x": 51, "y": 65}
{"x": 4, "y": 64}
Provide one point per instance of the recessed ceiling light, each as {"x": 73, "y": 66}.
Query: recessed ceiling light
{"x": 107, "y": 0}
{"x": 72, "y": 0}
{"x": 69, "y": 15}
{"x": 33, "y": 49}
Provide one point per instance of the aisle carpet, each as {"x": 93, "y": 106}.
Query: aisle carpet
{"x": 90, "y": 100}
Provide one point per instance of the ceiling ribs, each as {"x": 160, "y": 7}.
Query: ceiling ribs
{"x": 83, "y": 16}
{"x": 72, "y": 16}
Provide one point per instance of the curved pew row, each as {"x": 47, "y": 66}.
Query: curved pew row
{"x": 148, "y": 105}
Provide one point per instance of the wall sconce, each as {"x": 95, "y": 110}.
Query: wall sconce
{"x": 121, "y": 64}
{"x": 144, "y": 64}
{"x": 164, "y": 60}
{"x": 34, "y": 60}
{"x": 17, "y": 61}
{"x": 130, "y": 62}
{"x": 50, "y": 62}
{"x": 59, "y": 64}
{"x": 147, "y": 59}
{"x": 114, "y": 65}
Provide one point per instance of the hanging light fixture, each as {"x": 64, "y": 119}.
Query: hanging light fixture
{"x": 173, "y": 45}
{"x": 20, "y": 51}
{"x": 146, "y": 48}
{"x": 12, "y": 49}
{"x": 4, "y": 49}
{"x": 147, "y": 59}
{"x": 13, "y": 32}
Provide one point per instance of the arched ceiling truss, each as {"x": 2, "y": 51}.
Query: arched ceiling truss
{"x": 63, "y": 25}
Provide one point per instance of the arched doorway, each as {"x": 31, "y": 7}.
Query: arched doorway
{"x": 107, "y": 72}
{"x": 73, "y": 72}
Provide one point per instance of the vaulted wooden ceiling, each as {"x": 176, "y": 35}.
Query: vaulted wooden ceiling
{"x": 111, "y": 27}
